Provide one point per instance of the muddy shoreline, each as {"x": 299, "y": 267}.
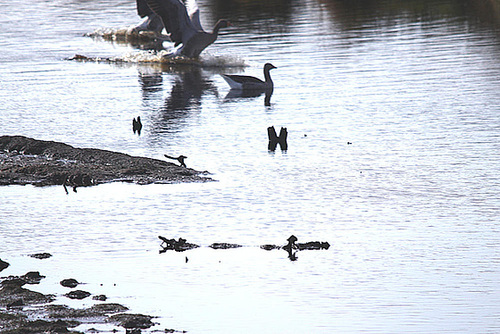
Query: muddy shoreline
{"x": 26, "y": 160}
{"x": 24, "y": 311}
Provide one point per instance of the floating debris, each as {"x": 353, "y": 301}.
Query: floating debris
{"x": 223, "y": 245}
{"x": 41, "y": 256}
{"x": 291, "y": 247}
{"x": 178, "y": 245}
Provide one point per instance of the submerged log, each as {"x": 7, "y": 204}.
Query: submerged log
{"x": 177, "y": 245}
{"x": 274, "y": 139}
{"x": 292, "y": 245}
{"x": 223, "y": 245}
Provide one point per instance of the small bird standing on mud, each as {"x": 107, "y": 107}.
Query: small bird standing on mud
{"x": 180, "y": 158}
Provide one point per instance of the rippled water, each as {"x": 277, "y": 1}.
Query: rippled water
{"x": 410, "y": 208}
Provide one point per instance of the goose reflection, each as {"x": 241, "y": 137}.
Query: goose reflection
{"x": 188, "y": 89}
{"x": 235, "y": 94}
{"x": 248, "y": 86}
{"x": 151, "y": 81}
{"x": 189, "y": 85}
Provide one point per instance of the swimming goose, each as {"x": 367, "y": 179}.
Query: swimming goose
{"x": 245, "y": 82}
{"x": 183, "y": 28}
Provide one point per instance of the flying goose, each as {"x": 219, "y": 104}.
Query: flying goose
{"x": 183, "y": 28}
{"x": 245, "y": 82}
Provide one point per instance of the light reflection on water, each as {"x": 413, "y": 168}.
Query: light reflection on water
{"x": 410, "y": 207}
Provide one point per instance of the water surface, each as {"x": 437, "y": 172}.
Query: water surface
{"x": 410, "y": 207}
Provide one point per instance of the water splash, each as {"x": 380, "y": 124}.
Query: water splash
{"x": 165, "y": 57}
{"x": 127, "y": 35}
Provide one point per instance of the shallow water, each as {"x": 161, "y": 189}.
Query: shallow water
{"x": 410, "y": 208}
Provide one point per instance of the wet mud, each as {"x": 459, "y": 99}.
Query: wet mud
{"x": 23, "y": 311}
{"x": 25, "y": 160}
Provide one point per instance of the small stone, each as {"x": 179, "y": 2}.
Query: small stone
{"x": 3, "y": 265}
{"x": 77, "y": 294}
{"x": 32, "y": 277}
{"x": 41, "y": 256}
{"x": 100, "y": 298}
{"x": 69, "y": 283}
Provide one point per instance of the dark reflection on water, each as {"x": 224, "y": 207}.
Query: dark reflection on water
{"x": 151, "y": 82}
{"x": 235, "y": 94}
{"x": 277, "y": 16}
{"x": 188, "y": 88}
{"x": 261, "y": 16}
{"x": 355, "y": 14}
{"x": 190, "y": 84}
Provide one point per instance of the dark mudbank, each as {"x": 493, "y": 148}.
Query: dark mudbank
{"x": 25, "y": 311}
{"x": 42, "y": 163}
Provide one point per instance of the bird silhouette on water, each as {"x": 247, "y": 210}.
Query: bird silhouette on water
{"x": 137, "y": 125}
{"x": 180, "y": 158}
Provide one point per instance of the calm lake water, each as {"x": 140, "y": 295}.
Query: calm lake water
{"x": 411, "y": 208}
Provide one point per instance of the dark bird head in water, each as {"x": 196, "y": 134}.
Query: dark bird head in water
{"x": 292, "y": 239}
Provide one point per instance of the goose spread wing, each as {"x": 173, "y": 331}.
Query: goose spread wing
{"x": 175, "y": 18}
{"x": 194, "y": 13}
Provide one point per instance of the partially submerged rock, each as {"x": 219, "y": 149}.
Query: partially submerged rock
{"x": 181, "y": 245}
{"x": 3, "y": 265}
{"x": 223, "y": 245}
{"x": 29, "y": 161}
{"x": 43, "y": 317}
{"x": 102, "y": 298}
{"x": 78, "y": 294}
{"x": 12, "y": 292}
{"x": 132, "y": 320}
{"x": 22, "y": 326}
{"x": 69, "y": 283}
{"x": 313, "y": 245}
{"x": 93, "y": 313}
{"x": 292, "y": 245}
{"x": 32, "y": 277}
{"x": 41, "y": 256}
{"x": 178, "y": 245}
